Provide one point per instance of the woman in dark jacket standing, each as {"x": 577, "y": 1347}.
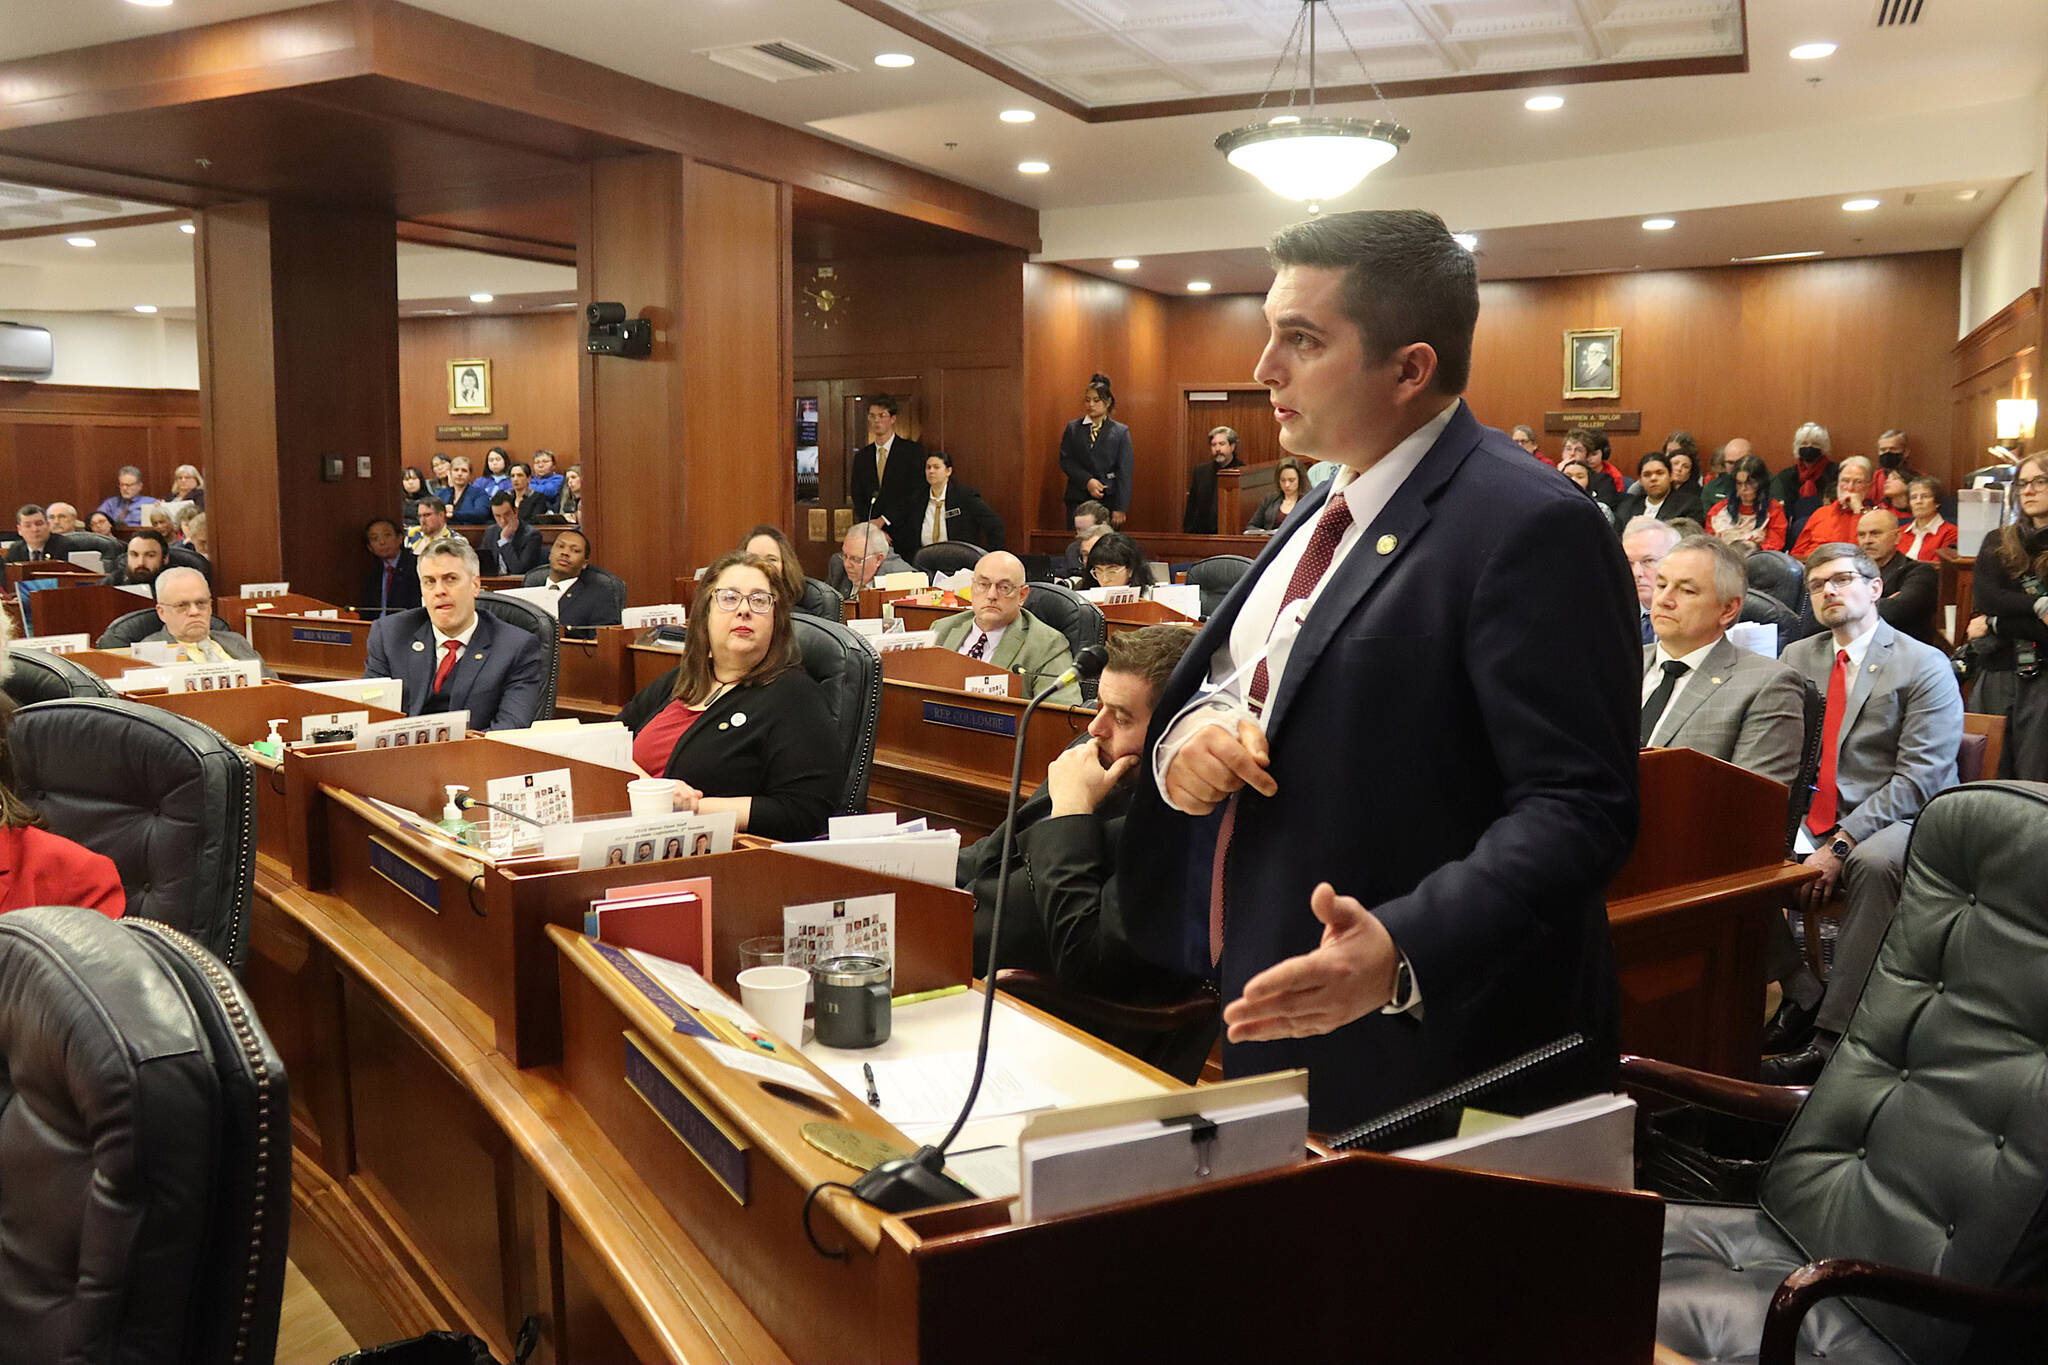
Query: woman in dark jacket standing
{"x": 1095, "y": 454}
{"x": 2009, "y": 638}
{"x": 738, "y": 722}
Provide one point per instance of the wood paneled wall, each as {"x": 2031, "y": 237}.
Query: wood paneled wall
{"x": 533, "y": 383}
{"x": 1857, "y": 345}
{"x": 2001, "y": 359}
{"x": 64, "y": 444}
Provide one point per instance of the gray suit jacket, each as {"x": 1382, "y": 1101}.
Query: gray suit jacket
{"x": 835, "y": 570}
{"x": 1029, "y": 647}
{"x": 1741, "y": 708}
{"x": 1901, "y": 730}
{"x": 232, "y": 644}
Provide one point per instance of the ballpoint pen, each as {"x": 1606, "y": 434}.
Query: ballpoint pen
{"x": 874, "y": 1096}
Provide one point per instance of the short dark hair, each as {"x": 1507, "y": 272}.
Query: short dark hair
{"x": 580, "y": 534}
{"x": 374, "y": 522}
{"x": 886, "y": 402}
{"x": 1118, "y": 548}
{"x": 940, "y": 456}
{"x": 1592, "y": 438}
{"x": 1407, "y": 280}
{"x": 503, "y": 500}
{"x": 1097, "y": 510}
{"x": 29, "y": 510}
{"x": 440, "y": 507}
{"x": 518, "y": 465}
{"x": 1842, "y": 549}
{"x": 1151, "y": 653}
{"x": 1653, "y": 457}
{"x": 148, "y": 533}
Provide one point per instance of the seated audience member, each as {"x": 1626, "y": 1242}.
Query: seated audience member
{"x": 1117, "y": 561}
{"x": 509, "y": 546}
{"x": 158, "y": 519}
{"x": 392, "y": 583}
{"x": 2011, "y": 635}
{"x": 1834, "y": 522}
{"x": 198, "y": 538}
{"x": 1720, "y": 480}
{"x": 1895, "y": 494}
{"x": 36, "y": 866}
{"x": 430, "y": 522}
{"x": 864, "y": 556}
{"x": 188, "y": 486}
{"x": 1198, "y": 518}
{"x": 1062, "y": 911}
{"x": 412, "y": 486}
{"x": 1575, "y": 470}
{"x": 1700, "y": 691}
{"x": 1588, "y": 445}
{"x": 185, "y": 519}
{"x": 468, "y": 504}
{"x": 1524, "y": 436}
{"x": 437, "y": 481}
{"x": 583, "y": 604}
{"x": 1912, "y": 590}
{"x": 125, "y": 507}
{"x": 184, "y": 603}
{"x": 1657, "y": 493}
{"x": 451, "y": 657}
{"x": 998, "y": 631}
{"x": 497, "y": 475}
{"x": 1929, "y": 532}
{"x": 570, "y": 504}
{"x": 1680, "y": 443}
{"x": 1749, "y": 515}
{"x": 767, "y": 544}
{"x": 953, "y": 511}
{"x": 37, "y": 540}
{"x": 1290, "y": 484}
{"x": 1685, "y": 474}
{"x": 1810, "y": 479}
{"x": 147, "y": 556}
{"x": 531, "y": 502}
{"x": 1894, "y": 722}
{"x": 99, "y": 523}
{"x": 1091, "y": 520}
{"x": 1894, "y": 456}
{"x": 64, "y": 518}
{"x": 1645, "y": 541}
{"x": 738, "y": 723}
{"x": 546, "y": 480}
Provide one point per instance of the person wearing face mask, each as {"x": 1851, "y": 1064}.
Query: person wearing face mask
{"x": 1095, "y": 454}
{"x": 1834, "y": 521}
{"x": 1809, "y": 480}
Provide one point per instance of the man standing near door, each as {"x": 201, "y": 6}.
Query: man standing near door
{"x": 888, "y": 477}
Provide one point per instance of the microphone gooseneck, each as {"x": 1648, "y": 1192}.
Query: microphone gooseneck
{"x": 464, "y": 801}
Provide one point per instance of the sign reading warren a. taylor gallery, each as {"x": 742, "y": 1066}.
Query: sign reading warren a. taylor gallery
{"x": 1600, "y": 419}
{"x": 463, "y": 431}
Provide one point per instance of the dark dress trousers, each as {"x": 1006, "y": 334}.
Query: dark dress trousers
{"x": 1107, "y": 458}
{"x": 772, "y": 741}
{"x": 1199, "y": 517}
{"x": 56, "y": 547}
{"x": 523, "y": 555}
{"x": 497, "y": 681}
{"x": 1682, "y": 501}
{"x": 1455, "y": 747}
{"x": 373, "y": 601}
{"x": 900, "y": 494}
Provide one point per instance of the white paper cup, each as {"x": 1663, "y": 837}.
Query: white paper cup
{"x": 652, "y": 796}
{"x": 775, "y": 996}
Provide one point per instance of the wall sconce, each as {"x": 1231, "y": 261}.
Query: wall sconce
{"x": 2016, "y": 418}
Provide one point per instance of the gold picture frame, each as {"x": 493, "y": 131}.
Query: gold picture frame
{"x": 469, "y": 386}
{"x": 1592, "y": 362}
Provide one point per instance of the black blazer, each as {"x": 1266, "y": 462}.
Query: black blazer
{"x": 588, "y": 605}
{"x": 968, "y": 518}
{"x": 525, "y": 553}
{"x": 1267, "y": 517}
{"x": 1108, "y": 459}
{"x": 56, "y": 547}
{"x": 1199, "y": 518}
{"x": 1682, "y": 501}
{"x": 1912, "y": 597}
{"x": 534, "y": 506}
{"x": 405, "y": 586}
{"x": 1487, "y": 794}
{"x": 773, "y": 741}
{"x": 900, "y": 495}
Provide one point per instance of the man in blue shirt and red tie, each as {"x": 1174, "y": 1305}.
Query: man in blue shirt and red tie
{"x": 393, "y": 582}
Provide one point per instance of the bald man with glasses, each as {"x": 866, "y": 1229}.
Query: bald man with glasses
{"x": 999, "y": 632}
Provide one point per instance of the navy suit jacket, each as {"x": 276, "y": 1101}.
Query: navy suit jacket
{"x": 1454, "y": 741}
{"x": 497, "y": 681}
{"x": 1108, "y": 459}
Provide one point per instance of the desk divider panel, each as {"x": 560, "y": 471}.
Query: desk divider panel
{"x": 941, "y": 668}
{"x": 650, "y": 662}
{"x": 86, "y": 609}
{"x": 61, "y": 569}
{"x": 236, "y": 610}
{"x": 595, "y": 680}
{"x": 309, "y": 647}
{"x": 1124, "y": 616}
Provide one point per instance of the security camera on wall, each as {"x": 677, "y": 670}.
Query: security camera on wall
{"x": 613, "y": 333}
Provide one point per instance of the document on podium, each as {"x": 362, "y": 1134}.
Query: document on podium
{"x": 1590, "y": 1141}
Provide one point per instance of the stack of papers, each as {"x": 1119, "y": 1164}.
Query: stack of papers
{"x": 923, "y": 1094}
{"x": 919, "y": 854}
{"x": 1590, "y": 1141}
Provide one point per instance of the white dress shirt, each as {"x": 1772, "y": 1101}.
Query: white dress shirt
{"x": 1802, "y": 842}
{"x": 441, "y": 639}
{"x": 1655, "y": 676}
{"x": 935, "y": 517}
{"x": 994, "y": 637}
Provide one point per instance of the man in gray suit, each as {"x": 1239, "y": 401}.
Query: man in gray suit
{"x": 1894, "y": 723}
{"x": 184, "y": 602}
{"x": 1700, "y": 691}
{"x": 865, "y": 556}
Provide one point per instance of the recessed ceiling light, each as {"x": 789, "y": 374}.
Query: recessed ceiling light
{"x": 1467, "y": 240}
{"x": 894, "y": 59}
{"x": 1967, "y": 195}
{"x": 483, "y": 298}
{"x": 1860, "y": 205}
{"x": 1017, "y": 116}
{"x": 1125, "y": 263}
{"x": 152, "y": 4}
{"x": 188, "y": 228}
{"x": 1543, "y": 104}
{"x": 80, "y": 241}
{"x": 1812, "y": 52}
{"x": 1659, "y": 224}
{"x": 1199, "y": 286}
{"x": 1776, "y": 256}
{"x": 1278, "y": 119}
{"x": 1034, "y": 167}
{"x": 145, "y": 307}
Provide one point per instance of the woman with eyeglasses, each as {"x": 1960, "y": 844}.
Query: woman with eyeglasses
{"x": 2009, "y": 636}
{"x": 1117, "y": 561}
{"x": 1750, "y": 516}
{"x": 738, "y": 723}
{"x": 1927, "y": 532}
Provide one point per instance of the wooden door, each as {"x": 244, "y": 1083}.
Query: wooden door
{"x": 833, "y": 412}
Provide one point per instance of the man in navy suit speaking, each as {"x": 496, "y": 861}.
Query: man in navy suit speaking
{"x": 449, "y": 657}
{"x": 1395, "y": 772}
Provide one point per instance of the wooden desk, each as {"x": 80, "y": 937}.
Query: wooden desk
{"x": 75, "y": 574}
{"x": 1958, "y": 575}
{"x": 475, "y": 534}
{"x": 596, "y": 677}
{"x": 304, "y": 648}
{"x": 1163, "y": 546}
{"x": 237, "y": 610}
{"x": 1239, "y": 492}
{"x": 1128, "y": 616}
{"x": 87, "y": 609}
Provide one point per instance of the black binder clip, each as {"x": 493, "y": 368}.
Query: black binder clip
{"x": 1201, "y": 1133}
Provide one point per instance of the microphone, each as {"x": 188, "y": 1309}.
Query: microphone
{"x": 919, "y": 1181}
{"x": 463, "y": 801}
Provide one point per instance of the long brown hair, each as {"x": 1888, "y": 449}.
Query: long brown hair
{"x": 792, "y": 584}
{"x": 695, "y": 677}
{"x": 2012, "y": 538}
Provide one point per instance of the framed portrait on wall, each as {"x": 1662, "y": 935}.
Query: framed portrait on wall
{"x": 469, "y": 386}
{"x": 1592, "y": 363}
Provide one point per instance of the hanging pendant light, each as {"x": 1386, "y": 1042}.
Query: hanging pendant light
{"x": 1312, "y": 158}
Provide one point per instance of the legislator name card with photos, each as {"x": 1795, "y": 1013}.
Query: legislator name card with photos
{"x": 857, "y": 925}
{"x": 629, "y": 842}
{"x": 404, "y": 732}
{"x": 544, "y": 798}
{"x": 336, "y": 727}
{"x": 57, "y": 644}
{"x": 190, "y": 677}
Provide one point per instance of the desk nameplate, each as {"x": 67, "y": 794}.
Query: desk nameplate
{"x": 312, "y": 635}
{"x": 415, "y": 881}
{"x": 971, "y": 718}
{"x": 684, "y": 1112}
{"x": 625, "y": 966}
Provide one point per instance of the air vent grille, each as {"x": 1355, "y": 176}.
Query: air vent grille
{"x": 1898, "y": 13}
{"x": 776, "y": 60}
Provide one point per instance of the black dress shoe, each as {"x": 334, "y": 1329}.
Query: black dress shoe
{"x": 1798, "y": 1068}
{"x": 1790, "y": 1029}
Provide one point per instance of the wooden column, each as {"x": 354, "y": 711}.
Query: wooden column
{"x": 298, "y": 361}
{"x": 685, "y": 449}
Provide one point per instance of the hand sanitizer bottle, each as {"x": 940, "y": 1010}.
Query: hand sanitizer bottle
{"x": 272, "y": 744}
{"x": 451, "y": 822}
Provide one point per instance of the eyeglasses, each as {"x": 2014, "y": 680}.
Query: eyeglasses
{"x": 729, "y": 599}
{"x": 987, "y": 588}
{"x": 201, "y": 604}
{"x": 2033, "y": 485}
{"x": 1840, "y": 582}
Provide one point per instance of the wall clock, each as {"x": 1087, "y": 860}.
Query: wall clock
{"x": 821, "y": 298}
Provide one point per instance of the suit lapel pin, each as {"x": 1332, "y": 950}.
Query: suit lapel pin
{"x": 478, "y": 656}
{"x": 1717, "y": 682}
{"x": 723, "y": 726}
{"x": 419, "y": 646}
{"x": 739, "y": 718}
{"x": 1386, "y": 545}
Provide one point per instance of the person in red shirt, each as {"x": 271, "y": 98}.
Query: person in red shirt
{"x": 36, "y": 866}
{"x": 1835, "y": 522}
{"x": 1524, "y": 436}
{"x": 1927, "y": 532}
{"x": 1752, "y": 516}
